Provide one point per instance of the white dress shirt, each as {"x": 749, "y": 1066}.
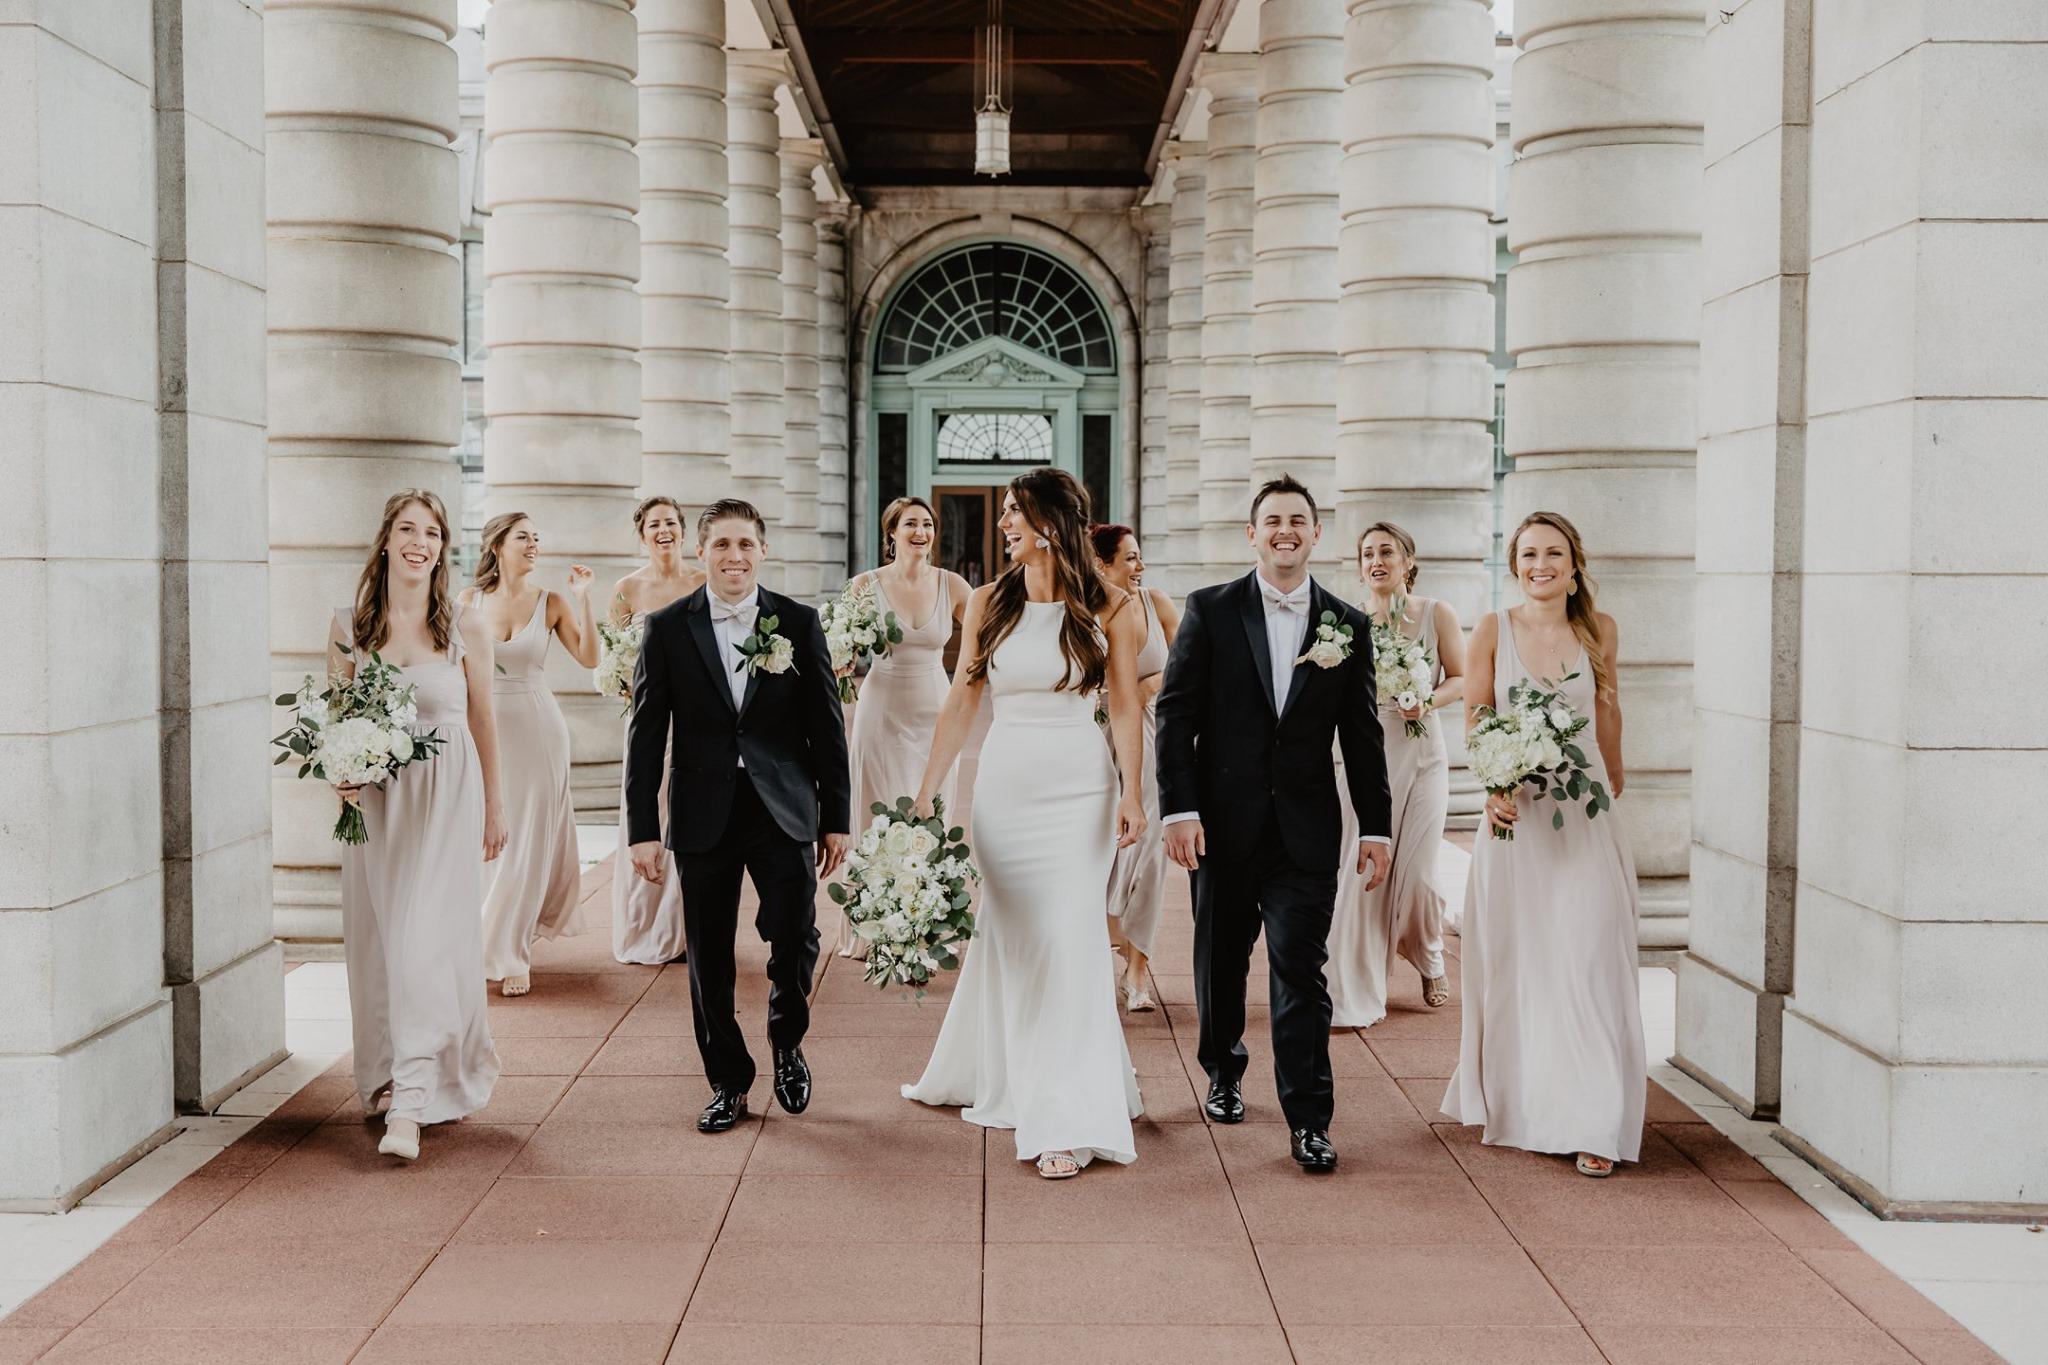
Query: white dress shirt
{"x": 733, "y": 625}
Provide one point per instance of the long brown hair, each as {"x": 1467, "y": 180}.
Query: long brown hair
{"x": 1056, "y": 505}
{"x": 489, "y": 570}
{"x": 1399, "y": 537}
{"x": 893, "y": 514}
{"x": 1578, "y": 607}
{"x": 370, "y": 626}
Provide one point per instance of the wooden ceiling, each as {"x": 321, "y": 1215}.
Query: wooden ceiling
{"x": 896, "y": 79}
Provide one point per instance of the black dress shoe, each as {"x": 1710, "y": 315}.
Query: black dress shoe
{"x": 726, "y": 1109}
{"x": 1225, "y": 1103}
{"x": 1312, "y": 1150}
{"x": 792, "y": 1080}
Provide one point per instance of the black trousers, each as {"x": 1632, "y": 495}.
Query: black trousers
{"x": 785, "y": 879}
{"x": 1234, "y": 899}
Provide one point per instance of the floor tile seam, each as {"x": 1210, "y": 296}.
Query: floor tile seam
{"x": 440, "y": 1245}
{"x": 1555, "y": 1289}
{"x": 161, "y": 1252}
{"x": 718, "y": 1233}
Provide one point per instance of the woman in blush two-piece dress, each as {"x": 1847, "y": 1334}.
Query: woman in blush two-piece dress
{"x": 1137, "y": 881}
{"x": 898, "y": 706}
{"x": 1404, "y": 916}
{"x": 411, "y": 896}
{"x": 1031, "y": 1040}
{"x": 534, "y": 886}
{"x": 647, "y": 917}
{"x": 1551, "y": 1054}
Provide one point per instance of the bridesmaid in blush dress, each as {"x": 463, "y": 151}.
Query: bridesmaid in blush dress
{"x": 898, "y": 706}
{"x": 534, "y": 888}
{"x": 411, "y": 895}
{"x": 647, "y": 918}
{"x": 1551, "y": 1054}
{"x": 1137, "y": 883}
{"x": 1404, "y": 916}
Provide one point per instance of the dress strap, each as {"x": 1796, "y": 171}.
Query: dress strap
{"x": 455, "y": 647}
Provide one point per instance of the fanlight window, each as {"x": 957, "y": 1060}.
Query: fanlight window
{"x": 996, "y": 289}
{"x": 995, "y": 438}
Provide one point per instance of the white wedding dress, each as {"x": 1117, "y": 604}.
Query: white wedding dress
{"x": 1031, "y": 1040}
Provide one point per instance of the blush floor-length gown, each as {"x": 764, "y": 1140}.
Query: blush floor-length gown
{"x": 1137, "y": 881}
{"x": 411, "y": 922}
{"x": 647, "y": 920}
{"x": 535, "y": 881}
{"x": 1031, "y": 1040}
{"x": 1551, "y": 1053}
{"x": 1404, "y": 917}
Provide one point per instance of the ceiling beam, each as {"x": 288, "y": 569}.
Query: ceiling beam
{"x": 849, "y": 47}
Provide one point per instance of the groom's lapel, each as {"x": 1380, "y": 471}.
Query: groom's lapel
{"x": 769, "y": 605}
{"x": 1251, "y": 607}
{"x": 1299, "y": 678}
{"x": 706, "y": 636}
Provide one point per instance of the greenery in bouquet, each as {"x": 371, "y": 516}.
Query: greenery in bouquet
{"x": 1403, "y": 670}
{"x": 907, "y": 893}
{"x": 856, "y": 631}
{"x": 356, "y": 732}
{"x": 618, "y": 655}
{"x": 1533, "y": 740}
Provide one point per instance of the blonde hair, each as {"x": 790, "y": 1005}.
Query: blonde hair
{"x": 370, "y": 625}
{"x": 1400, "y": 538}
{"x": 489, "y": 571}
{"x": 1578, "y": 607}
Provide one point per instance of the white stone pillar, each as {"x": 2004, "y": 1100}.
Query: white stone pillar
{"x": 1737, "y": 970}
{"x": 1227, "y": 312}
{"x": 1184, "y": 325}
{"x": 561, "y": 315}
{"x": 685, "y": 362}
{"x": 1603, "y": 320}
{"x": 797, "y": 543}
{"x": 365, "y": 307}
{"x": 1294, "y": 249}
{"x": 835, "y": 489}
{"x": 1156, "y": 222}
{"x": 1416, "y": 257}
{"x": 754, "y": 254}
{"x": 1916, "y": 1036}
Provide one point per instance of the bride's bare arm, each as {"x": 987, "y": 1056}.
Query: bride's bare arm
{"x": 1126, "y": 712}
{"x": 956, "y": 717}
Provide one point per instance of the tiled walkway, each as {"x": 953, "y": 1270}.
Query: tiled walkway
{"x": 582, "y": 1219}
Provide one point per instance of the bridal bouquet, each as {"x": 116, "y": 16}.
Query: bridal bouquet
{"x": 906, "y": 892}
{"x": 618, "y": 655}
{"x": 1531, "y": 741}
{"x": 357, "y": 732}
{"x": 856, "y": 629}
{"x": 1403, "y": 671}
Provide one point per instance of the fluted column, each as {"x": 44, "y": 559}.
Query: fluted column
{"x": 835, "y": 488}
{"x": 1294, "y": 248}
{"x": 1415, "y": 324}
{"x": 1156, "y": 220}
{"x": 1603, "y": 320}
{"x": 1184, "y": 327}
{"x": 1227, "y": 311}
{"x": 685, "y": 361}
{"x": 365, "y": 309}
{"x": 798, "y": 546}
{"x": 754, "y": 256}
{"x": 561, "y": 316}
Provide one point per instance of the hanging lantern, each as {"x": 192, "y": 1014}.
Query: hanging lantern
{"x": 993, "y": 88}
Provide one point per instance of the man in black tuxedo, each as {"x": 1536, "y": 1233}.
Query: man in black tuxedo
{"x": 760, "y": 775}
{"x": 1248, "y": 791}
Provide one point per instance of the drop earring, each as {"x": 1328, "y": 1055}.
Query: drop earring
{"x": 1043, "y": 543}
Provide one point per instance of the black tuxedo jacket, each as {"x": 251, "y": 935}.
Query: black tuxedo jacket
{"x": 1227, "y": 754}
{"x": 789, "y": 729}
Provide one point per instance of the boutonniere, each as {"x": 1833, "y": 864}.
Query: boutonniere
{"x": 765, "y": 651}
{"x": 1332, "y": 643}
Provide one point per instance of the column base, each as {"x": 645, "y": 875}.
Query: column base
{"x": 227, "y": 1027}
{"x": 78, "y": 1117}
{"x": 1729, "y": 1036}
{"x": 1910, "y": 1210}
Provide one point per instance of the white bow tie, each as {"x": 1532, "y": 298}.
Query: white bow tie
{"x": 742, "y": 614}
{"x": 1296, "y": 601}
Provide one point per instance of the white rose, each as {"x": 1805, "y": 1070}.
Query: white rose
{"x": 865, "y": 635}
{"x": 779, "y": 655}
{"x": 896, "y": 926}
{"x": 923, "y": 842}
{"x": 1562, "y": 718}
{"x": 398, "y": 743}
{"x": 1326, "y": 653}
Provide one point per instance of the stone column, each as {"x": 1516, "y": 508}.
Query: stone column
{"x": 1603, "y": 320}
{"x": 1415, "y": 397}
{"x": 754, "y": 254}
{"x": 365, "y": 305}
{"x": 1916, "y": 1036}
{"x": 1737, "y": 971}
{"x": 1294, "y": 249}
{"x": 1184, "y": 327}
{"x": 835, "y": 490}
{"x": 797, "y": 544}
{"x": 221, "y": 961}
{"x": 685, "y": 362}
{"x": 1227, "y": 312}
{"x": 1156, "y": 222}
{"x": 561, "y": 317}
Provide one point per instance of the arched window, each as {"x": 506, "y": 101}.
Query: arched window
{"x": 995, "y": 438}
{"x": 997, "y": 289}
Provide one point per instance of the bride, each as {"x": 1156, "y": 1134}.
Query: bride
{"x": 1031, "y": 1040}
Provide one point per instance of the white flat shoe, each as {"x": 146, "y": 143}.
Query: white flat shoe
{"x": 401, "y": 1139}
{"x": 515, "y": 985}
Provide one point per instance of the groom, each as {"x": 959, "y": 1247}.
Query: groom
{"x": 743, "y": 679}
{"x": 1249, "y": 795}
